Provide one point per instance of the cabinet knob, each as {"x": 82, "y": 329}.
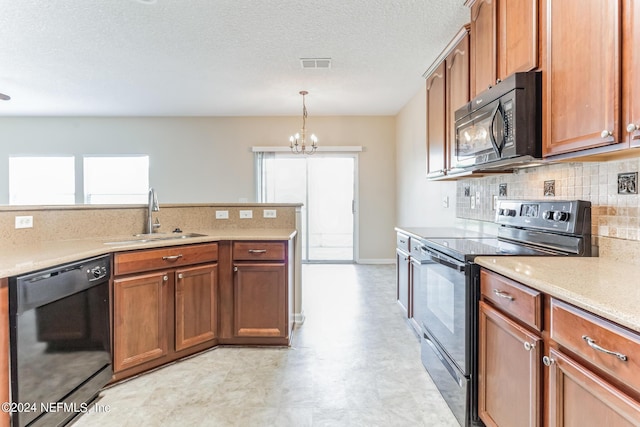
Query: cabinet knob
{"x": 235, "y": 268}
{"x": 165, "y": 278}
{"x": 528, "y": 346}
{"x": 606, "y": 133}
{"x": 632, "y": 127}
{"x": 548, "y": 361}
{"x": 180, "y": 276}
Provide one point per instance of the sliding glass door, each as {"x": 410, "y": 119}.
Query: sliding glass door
{"x": 325, "y": 184}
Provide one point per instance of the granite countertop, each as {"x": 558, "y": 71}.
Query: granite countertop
{"x": 24, "y": 259}
{"x": 605, "y": 287}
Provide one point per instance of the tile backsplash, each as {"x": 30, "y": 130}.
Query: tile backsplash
{"x": 615, "y": 207}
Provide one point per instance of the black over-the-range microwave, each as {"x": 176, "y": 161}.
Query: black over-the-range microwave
{"x": 501, "y": 128}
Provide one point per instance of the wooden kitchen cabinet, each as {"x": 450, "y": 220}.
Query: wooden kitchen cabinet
{"x": 579, "y": 397}
{"x": 196, "y": 310}
{"x": 631, "y": 73}
{"x": 262, "y": 293}
{"x": 581, "y": 78}
{"x": 504, "y": 40}
{"x": 509, "y": 359}
{"x": 593, "y": 372}
{"x": 436, "y": 122}
{"x": 163, "y": 307}
{"x": 483, "y": 45}
{"x": 140, "y": 320}
{"x": 260, "y": 304}
{"x": 447, "y": 90}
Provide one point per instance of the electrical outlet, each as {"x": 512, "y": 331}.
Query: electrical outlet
{"x": 24, "y": 221}
{"x": 495, "y": 202}
{"x": 269, "y": 213}
{"x": 473, "y": 203}
{"x": 246, "y": 214}
{"x": 222, "y": 214}
{"x": 445, "y": 201}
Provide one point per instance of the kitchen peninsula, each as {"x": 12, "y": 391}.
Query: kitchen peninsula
{"x": 201, "y": 283}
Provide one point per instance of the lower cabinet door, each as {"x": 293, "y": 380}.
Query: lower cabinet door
{"x": 195, "y": 305}
{"x": 140, "y": 319}
{"x": 509, "y": 371}
{"x": 403, "y": 274}
{"x": 259, "y": 300}
{"x": 578, "y": 397}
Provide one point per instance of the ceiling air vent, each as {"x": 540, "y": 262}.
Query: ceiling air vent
{"x": 315, "y": 62}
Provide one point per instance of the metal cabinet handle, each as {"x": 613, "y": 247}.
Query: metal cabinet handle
{"x": 606, "y": 133}
{"x": 257, "y": 251}
{"x": 235, "y": 268}
{"x": 591, "y": 343}
{"x": 503, "y": 294}
{"x": 632, "y": 127}
{"x": 548, "y": 361}
{"x": 528, "y": 346}
{"x": 172, "y": 257}
{"x": 180, "y": 276}
{"x": 165, "y": 278}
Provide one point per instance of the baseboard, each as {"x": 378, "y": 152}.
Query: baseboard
{"x": 299, "y": 318}
{"x": 376, "y": 261}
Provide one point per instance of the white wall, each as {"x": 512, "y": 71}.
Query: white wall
{"x": 419, "y": 202}
{"x": 209, "y": 159}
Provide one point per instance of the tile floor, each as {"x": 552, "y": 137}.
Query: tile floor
{"x": 354, "y": 362}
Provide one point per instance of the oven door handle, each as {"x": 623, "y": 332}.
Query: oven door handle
{"x": 443, "y": 259}
{"x": 497, "y": 113}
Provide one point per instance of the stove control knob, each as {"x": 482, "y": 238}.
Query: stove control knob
{"x": 547, "y": 215}
{"x": 560, "y": 216}
{"x": 510, "y": 212}
{"x": 501, "y": 212}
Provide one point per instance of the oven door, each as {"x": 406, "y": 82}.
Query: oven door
{"x": 447, "y": 307}
{"x": 480, "y": 136}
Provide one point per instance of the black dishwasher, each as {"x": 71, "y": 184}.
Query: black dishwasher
{"x": 60, "y": 341}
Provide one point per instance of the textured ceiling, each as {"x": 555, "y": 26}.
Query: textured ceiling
{"x": 217, "y": 57}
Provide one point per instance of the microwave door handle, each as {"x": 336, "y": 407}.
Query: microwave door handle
{"x": 496, "y": 147}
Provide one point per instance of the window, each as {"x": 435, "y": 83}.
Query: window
{"x": 41, "y": 180}
{"x": 116, "y": 180}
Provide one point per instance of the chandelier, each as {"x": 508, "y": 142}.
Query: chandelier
{"x": 298, "y": 143}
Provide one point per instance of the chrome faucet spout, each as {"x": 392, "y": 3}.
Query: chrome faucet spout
{"x": 153, "y": 206}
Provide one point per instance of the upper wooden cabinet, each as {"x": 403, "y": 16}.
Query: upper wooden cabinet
{"x": 447, "y": 90}
{"x": 504, "y": 40}
{"x": 631, "y": 73}
{"x": 581, "y": 82}
{"x": 436, "y": 122}
{"x": 457, "y": 91}
{"x": 483, "y": 45}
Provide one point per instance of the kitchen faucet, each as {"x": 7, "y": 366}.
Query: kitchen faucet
{"x": 152, "y": 207}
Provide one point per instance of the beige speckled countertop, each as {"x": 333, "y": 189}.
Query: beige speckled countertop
{"x": 18, "y": 260}
{"x": 608, "y": 288}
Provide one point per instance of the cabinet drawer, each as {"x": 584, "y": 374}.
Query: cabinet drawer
{"x": 403, "y": 242}
{"x": 521, "y": 302}
{"x": 153, "y": 259}
{"x": 249, "y": 251}
{"x": 598, "y": 341}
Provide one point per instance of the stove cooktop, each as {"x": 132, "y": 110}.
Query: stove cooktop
{"x": 468, "y": 248}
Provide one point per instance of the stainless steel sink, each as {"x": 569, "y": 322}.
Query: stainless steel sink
{"x": 154, "y": 237}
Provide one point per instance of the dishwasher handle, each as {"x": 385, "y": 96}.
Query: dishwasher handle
{"x": 443, "y": 259}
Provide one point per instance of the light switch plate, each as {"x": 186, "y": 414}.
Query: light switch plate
{"x": 269, "y": 213}
{"x": 245, "y": 214}
{"x": 445, "y": 201}
{"x": 222, "y": 214}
